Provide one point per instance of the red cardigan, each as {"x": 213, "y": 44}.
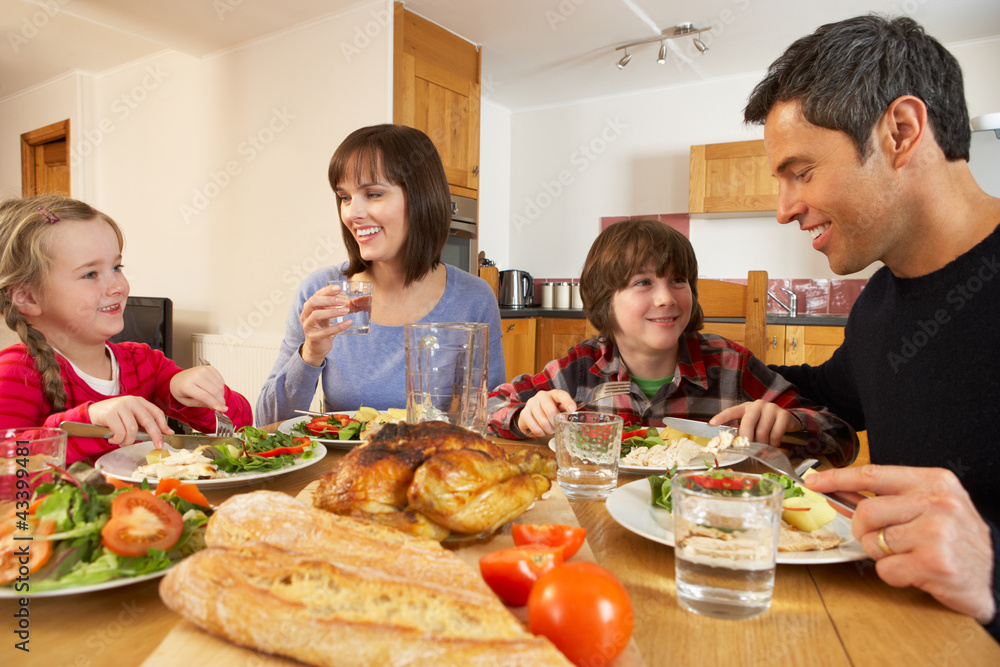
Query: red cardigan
{"x": 143, "y": 372}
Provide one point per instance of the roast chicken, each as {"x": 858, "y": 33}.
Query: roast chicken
{"x": 432, "y": 479}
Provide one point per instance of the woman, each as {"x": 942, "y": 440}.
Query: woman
{"x": 395, "y": 211}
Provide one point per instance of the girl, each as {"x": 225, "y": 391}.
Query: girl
{"x": 395, "y": 214}
{"x": 639, "y": 290}
{"x": 62, "y": 291}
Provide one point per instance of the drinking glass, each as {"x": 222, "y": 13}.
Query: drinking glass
{"x": 25, "y": 455}
{"x": 359, "y": 294}
{"x": 588, "y": 445}
{"x": 725, "y": 541}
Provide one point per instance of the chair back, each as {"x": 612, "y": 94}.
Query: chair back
{"x": 719, "y": 298}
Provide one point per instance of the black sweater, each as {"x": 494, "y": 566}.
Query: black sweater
{"x": 920, "y": 370}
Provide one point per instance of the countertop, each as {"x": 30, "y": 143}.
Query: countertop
{"x": 575, "y": 313}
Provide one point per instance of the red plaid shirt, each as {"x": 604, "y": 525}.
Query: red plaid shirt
{"x": 712, "y": 374}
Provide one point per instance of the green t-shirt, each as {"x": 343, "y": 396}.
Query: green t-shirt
{"x": 651, "y": 386}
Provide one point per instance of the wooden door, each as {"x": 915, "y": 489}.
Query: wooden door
{"x": 519, "y": 345}
{"x": 45, "y": 160}
{"x": 556, "y": 335}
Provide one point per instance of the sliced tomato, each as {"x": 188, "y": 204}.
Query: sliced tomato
{"x": 570, "y": 538}
{"x": 139, "y": 522}
{"x": 634, "y": 432}
{"x": 11, "y": 549}
{"x": 512, "y": 572}
{"x": 188, "y": 492}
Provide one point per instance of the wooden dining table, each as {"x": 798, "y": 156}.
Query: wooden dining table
{"x": 829, "y": 614}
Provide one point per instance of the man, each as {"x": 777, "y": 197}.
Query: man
{"x": 867, "y": 131}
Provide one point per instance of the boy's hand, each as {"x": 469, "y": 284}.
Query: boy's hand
{"x": 200, "y": 387}
{"x": 126, "y": 416}
{"x": 538, "y": 416}
{"x": 760, "y": 421}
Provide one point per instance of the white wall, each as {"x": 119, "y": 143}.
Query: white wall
{"x": 216, "y": 168}
{"x": 629, "y": 155}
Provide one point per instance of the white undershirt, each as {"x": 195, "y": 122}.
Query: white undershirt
{"x": 106, "y": 387}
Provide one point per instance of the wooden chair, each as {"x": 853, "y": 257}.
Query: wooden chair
{"x": 719, "y": 298}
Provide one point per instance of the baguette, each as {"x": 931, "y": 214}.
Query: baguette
{"x": 285, "y": 578}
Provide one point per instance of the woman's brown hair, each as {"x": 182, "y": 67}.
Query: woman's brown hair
{"x": 625, "y": 249}
{"x": 405, "y": 157}
{"x": 25, "y": 228}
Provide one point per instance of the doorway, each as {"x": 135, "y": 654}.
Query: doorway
{"x": 45, "y": 160}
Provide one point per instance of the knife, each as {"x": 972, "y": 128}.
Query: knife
{"x": 186, "y": 442}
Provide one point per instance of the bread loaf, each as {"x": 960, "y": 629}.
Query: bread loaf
{"x": 285, "y": 578}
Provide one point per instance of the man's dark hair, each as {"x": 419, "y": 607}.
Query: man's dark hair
{"x": 846, "y": 74}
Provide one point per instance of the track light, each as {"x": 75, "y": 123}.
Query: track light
{"x": 680, "y": 30}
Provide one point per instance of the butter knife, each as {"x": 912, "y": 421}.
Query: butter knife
{"x": 186, "y": 442}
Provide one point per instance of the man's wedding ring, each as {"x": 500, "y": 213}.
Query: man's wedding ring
{"x": 883, "y": 545}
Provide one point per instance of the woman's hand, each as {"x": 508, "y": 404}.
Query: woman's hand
{"x": 538, "y": 416}
{"x": 200, "y": 387}
{"x": 318, "y": 310}
{"x": 126, "y": 416}
{"x": 760, "y": 421}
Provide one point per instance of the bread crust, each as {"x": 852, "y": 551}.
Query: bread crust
{"x": 285, "y": 578}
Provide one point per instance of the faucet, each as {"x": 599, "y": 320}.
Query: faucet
{"x": 793, "y": 301}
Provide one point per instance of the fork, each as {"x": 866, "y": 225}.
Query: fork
{"x": 775, "y": 459}
{"x": 223, "y": 424}
{"x": 605, "y": 390}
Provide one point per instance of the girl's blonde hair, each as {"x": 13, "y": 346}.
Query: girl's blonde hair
{"x": 26, "y": 227}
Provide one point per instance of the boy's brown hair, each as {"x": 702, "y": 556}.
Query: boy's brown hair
{"x": 625, "y": 249}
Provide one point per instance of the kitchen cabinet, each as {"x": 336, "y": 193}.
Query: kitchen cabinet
{"x": 436, "y": 89}
{"x": 731, "y": 178}
{"x": 556, "y": 335}
{"x": 519, "y": 336}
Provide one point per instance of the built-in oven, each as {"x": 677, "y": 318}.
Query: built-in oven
{"x": 461, "y": 249}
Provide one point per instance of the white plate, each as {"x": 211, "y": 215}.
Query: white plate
{"x": 724, "y": 459}
{"x": 286, "y": 427}
{"x": 121, "y": 463}
{"x": 7, "y": 593}
{"x": 630, "y": 506}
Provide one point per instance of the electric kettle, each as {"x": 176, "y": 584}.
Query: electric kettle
{"x": 516, "y": 289}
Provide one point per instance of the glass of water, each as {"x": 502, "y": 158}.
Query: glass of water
{"x": 588, "y": 445}
{"x": 359, "y": 295}
{"x": 725, "y": 541}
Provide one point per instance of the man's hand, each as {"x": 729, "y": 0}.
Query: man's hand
{"x": 938, "y": 541}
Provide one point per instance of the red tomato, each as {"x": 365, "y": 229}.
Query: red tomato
{"x": 722, "y": 482}
{"x": 38, "y": 550}
{"x": 584, "y": 610}
{"x": 570, "y": 538}
{"x": 634, "y": 432}
{"x": 512, "y": 572}
{"x": 139, "y": 522}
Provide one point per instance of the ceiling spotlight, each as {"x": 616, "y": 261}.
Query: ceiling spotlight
{"x": 700, "y": 45}
{"x": 624, "y": 61}
{"x": 662, "y": 58}
{"x": 679, "y": 30}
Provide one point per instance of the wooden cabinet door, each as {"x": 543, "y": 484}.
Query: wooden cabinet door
{"x": 811, "y": 344}
{"x": 774, "y": 343}
{"x": 556, "y": 335}
{"x": 436, "y": 89}
{"x": 519, "y": 345}
{"x": 731, "y": 177}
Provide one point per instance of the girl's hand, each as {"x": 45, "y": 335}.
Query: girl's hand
{"x": 126, "y": 416}
{"x": 200, "y": 387}
{"x": 538, "y": 416}
{"x": 318, "y": 310}
{"x": 760, "y": 421}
